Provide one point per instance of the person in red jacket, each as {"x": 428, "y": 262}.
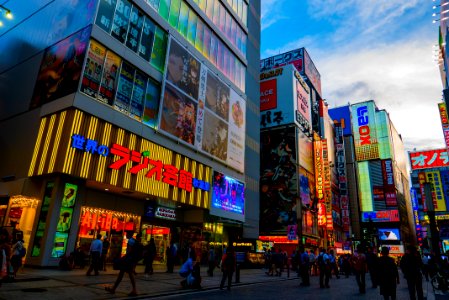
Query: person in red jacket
{"x": 228, "y": 264}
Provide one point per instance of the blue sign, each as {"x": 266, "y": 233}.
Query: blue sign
{"x": 228, "y": 194}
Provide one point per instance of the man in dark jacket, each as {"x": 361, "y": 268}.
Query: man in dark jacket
{"x": 387, "y": 275}
{"x": 371, "y": 261}
{"x": 411, "y": 266}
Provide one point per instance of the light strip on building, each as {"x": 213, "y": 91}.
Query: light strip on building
{"x": 44, "y": 153}
{"x": 366, "y": 199}
{"x": 37, "y": 146}
{"x": 56, "y": 145}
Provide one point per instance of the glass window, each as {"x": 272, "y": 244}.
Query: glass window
{"x": 135, "y": 29}
{"x": 217, "y": 8}
{"x": 105, "y": 14}
{"x": 244, "y": 38}
{"x": 146, "y": 42}
{"x": 191, "y": 31}
{"x": 220, "y": 56}
{"x": 242, "y": 76}
{"x": 109, "y": 78}
{"x": 226, "y": 64}
{"x": 153, "y": 3}
{"x": 213, "y": 49}
{"x": 228, "y": 25}
{"x": 124, "y": 88}
{"x": 199, "y": 36}
{"x": 121, "y": 19}
{"x": 244, "y": 13}
{"x": 202, "y": 5}
{"x": 232, "y": 60}
{"x": 233, "y": 31}
{"x": 183, "y": 19}
{"x": 239, "y": 39}
{"x": 174, "y": 13}
{"x": 164, "y": 8}
{"x": 210, "y": 9}
{"x": 222, "y": 21}
{"x": 240, "y": 9}
{"x": 159, "y": 49}
{"x": 138, "y": 96}
{"x": 151, "y": 109}
{"x": 206, "y": 44}
{"x": 93, "y": 69}
{"x": 234, "y": 5}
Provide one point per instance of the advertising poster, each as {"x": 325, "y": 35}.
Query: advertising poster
{"x": 121, "y": 20}
{"x": 381, "y": 216}
{"x": 279, "y": 181}
{"x": 183, "y": 70}
{"x": 291, "y": 232}
{"x": 60, "y": 70}
{"x": 146, "y": 41}
{"x": 138, "y": 96}
{"x": 391, "y": 234}
{"x": 303, "y": 103}
{"x": 445, "y": 184}
{"x": 215, "y": 136}
{"x": 311, "y": 72}
{"x": 437, "y": 190}
{"x": 305, "y": 146}
{"x": 364, "y": 126}
{"x": 93, "y": 69}
{"x": 105, "y": 14}
{"x": 228, "y": 194}
{"x": 60, "y": 244}
{"x": 178, "y": 116}
{"x": 236, "y": 136}
{"x": 268, "y": 94}
{"x": 109, "y": 78}
{"x": 65, "y": 219}
{"x": 201, "y": 110}
{"x": 70, "y": 191}
{"x": 151, "y": 109}
{"x": 135, "y": 29}
{"x": 388, "y": 182}
{"x": 304, "y": 189}
{"x": 217, "y": 96}
{"x": 124, "y": 88}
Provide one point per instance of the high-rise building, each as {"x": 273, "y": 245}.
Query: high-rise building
{"x": 122, "y": 115}
{"x": 381, "y": 176}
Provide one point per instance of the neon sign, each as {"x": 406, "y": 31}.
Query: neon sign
{"x": 166, "y": 173}
{"x": 363, "y": 122}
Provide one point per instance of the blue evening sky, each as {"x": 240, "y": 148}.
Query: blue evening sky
{"x": 367, "y": 49}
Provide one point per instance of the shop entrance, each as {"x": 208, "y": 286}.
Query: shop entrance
{"x": 162, "y": 239}
{"x": 112, "y": 225}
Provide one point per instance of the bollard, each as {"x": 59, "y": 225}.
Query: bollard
{"x": 237, "y": 273}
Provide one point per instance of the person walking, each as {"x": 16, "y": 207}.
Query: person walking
{"x": 228, "y": 264}
{"x": 96, "y": 248}
{"x": 323, "y": 262}
{"x": 411, "y": 266}
{"x": 333, "y": 264}
{"x": 18, "y": 252}
{"x": 425, "y": 266}
{"x": 127, "y": 264}
{"x": 211, "y": 261}
{"x": 387, "y": 275}
{"x": 148, "y": 258}
{"x": 104, "y": 252}
{"x": 358, "y": 262}
{"x": 312, "y": 263}
{"x": 304, "y": 267}
{"x": 371, "y": 262}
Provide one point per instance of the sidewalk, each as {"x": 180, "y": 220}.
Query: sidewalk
{"x": 55, "y": 284}
{"x": 52, "y": 283}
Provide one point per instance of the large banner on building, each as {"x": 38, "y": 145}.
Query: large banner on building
{"x": 201, "y": 110}
{"x": 364, "y": 126}
{"x": 279, "y": 192}
{"x": 327, "y": 193}
{"x": 437, "y": 190}
{"x": 388, "y": 181}
{"x": 429, "y": 159}
{"x": 342, "y": 178}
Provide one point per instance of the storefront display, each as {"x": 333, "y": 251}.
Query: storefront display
{"x": 162, "y": 239}
{"x": 110, "y": 224}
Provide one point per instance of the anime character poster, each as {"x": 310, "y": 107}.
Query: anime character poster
{"x": 279, "y": 182}
{"x": 109, "y": 78}
{"x": 178, "y": 116}
{"x": 65, "y": 219}
{"x": 70, "y": 191}
{"x": 236, "y": 136}
{"x": 60, "y": 69}
{"x": 138, "y": 97}
{"x": 217, "y": 97}
{"x": 125, "y": 88}
{"x": 151, "y": 109}
{"x": 183, "y": 70}
{"x": 215, "y": 136}
{"x": 93, "y": 69}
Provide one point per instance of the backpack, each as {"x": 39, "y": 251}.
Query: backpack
{"x": 22, "y": 251}
{"x": 320, "y": 260}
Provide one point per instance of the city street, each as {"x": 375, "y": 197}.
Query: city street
{"x": 55, "y": 284}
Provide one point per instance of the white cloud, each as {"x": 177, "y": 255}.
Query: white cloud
{"x": 271, "y": 13}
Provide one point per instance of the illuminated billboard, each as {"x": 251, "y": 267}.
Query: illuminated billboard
{"x": 390, "y": 234}
{"x": 365, "y": 188}
{"x": 284, "y": 99}
{"x": 228, "y": 197}
{"x": 279, "y": 187}
{"x": 434, "y": 179}
{"x": 381, "y": 216}
{"x": 364, "y": 128}
{"x": 429, "y": 159}
{"x": 201, "y": 110}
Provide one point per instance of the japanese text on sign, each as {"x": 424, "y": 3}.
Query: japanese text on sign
{"x": 429, "y": 159}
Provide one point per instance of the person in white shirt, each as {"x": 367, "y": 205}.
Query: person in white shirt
{"x": 96, "y": 247}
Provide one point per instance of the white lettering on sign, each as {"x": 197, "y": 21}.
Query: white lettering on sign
{"x": 363, "y": 121}
{"x": 165, "y": 213}
{"x": 389, "y": 171}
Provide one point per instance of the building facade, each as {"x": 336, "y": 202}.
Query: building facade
{"x": 130, "y": 116}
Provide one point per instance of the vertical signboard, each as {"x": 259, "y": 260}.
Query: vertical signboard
{"x": 388, "y": 181}
{"x": 268, "y": 94}
{"x": 364, "y": 126}
{"x": 342, "y": 179}
{"x": 311, "y": 72}
{"x": 437, "y": 190}
{"x": 327, "y": 185}
{"x": 422, "y": 181}
{"x": 303, "y": 104}
{"x": 444, "y": 122}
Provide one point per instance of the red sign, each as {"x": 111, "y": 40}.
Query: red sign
{"x": 268, "y": 95}
{"x": 161, "y": 230}
{"x": 443, "y": 113}
{"x": 429, "y": 159}
{"x": 388, "y": 180}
